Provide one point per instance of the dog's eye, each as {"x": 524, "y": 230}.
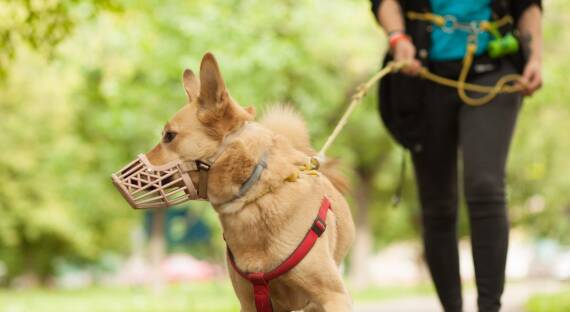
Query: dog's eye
{"x": 168, "y": 136}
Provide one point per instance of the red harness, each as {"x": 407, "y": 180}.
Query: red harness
{"x": 260, "y": 280}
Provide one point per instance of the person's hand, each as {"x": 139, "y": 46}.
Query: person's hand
{"x": 404, "y": 50}
{"x": 531, "y": 79}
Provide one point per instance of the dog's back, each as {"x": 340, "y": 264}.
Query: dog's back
{"x": 286, "y": 121}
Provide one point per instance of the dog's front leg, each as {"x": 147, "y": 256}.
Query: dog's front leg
{"x": 245, "y": 296}
{"x": 336, "y": 302}
{"x": 332, "y": 302}
{"x": 313, "y": 307}
{"x": 243, "y": 291}
{"x": 327, "y": 291}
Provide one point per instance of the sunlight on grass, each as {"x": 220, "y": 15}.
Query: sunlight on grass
{"x": 558, "y": 302}
{"x": 378, "y": 293}
{"x": 203, "y": 297}
{"x": 207, "y": 297}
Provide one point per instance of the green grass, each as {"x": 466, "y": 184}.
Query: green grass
{"x": 558, "y": 302}
{"x": 203, "y": 297}
{"x": 207, "y": 297}
{"x": 378, "y": 293}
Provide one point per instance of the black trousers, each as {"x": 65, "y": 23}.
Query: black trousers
{"x": 479, "y": 139}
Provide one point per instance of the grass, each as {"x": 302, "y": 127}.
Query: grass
{"x": 207, "y": 297}
{"x": 558, "y": 302}
{"x": 203, "y": 297}
{"x": 379, "y": 293}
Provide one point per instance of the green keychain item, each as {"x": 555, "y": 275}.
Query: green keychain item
{"x": 502, "y": 45}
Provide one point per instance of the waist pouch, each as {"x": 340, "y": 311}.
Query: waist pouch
{"x": 400, "y": 100}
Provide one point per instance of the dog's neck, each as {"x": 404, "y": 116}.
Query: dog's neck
{"x": 241, "y": 154}
{"x": 245, "y": 220}
{"x": 263, "y": 149}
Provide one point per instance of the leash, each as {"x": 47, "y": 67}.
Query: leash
{"x": 502, "y": 86}
{"x": 356, "y": 99}
{"x": 448, "y": 23}
{"x": 500, "y": 46}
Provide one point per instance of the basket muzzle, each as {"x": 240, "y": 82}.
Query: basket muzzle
{"x": 145, "y": 185}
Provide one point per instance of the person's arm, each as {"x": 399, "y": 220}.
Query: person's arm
{"x": 390, "y": 17}
{"x": 530, "y": 28}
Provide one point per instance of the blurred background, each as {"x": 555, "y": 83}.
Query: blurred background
{"x": 86, "y": 85}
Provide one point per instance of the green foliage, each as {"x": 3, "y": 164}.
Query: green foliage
{"x": 203, "y": 297}
{"x": 41, "y": 24}
{"x": 538, "y": 162}
{"x": 72, "y": 119}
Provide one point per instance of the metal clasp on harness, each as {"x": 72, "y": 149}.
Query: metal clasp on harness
{"x": 319, "y": 226}
{"x": 451, "y": 23}
{"x": 202, "y": 166}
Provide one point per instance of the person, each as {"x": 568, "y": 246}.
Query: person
{"x": 439, "y": 129}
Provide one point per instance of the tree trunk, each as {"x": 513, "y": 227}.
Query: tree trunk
{"x": 358, "y": 272}
{"x": 157, "y": 247}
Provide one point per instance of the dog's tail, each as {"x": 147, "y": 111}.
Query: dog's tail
{"x": 287, "y": 122}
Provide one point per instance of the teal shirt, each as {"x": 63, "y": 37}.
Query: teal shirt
{"x": 451, "y": 46}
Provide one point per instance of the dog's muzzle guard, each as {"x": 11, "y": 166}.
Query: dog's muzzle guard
{"x": 145, "y": 185}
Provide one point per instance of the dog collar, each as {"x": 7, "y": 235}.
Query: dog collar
{"x": 254, "y": 177}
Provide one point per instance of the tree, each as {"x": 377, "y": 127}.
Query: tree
{"x": 111, "y": 83}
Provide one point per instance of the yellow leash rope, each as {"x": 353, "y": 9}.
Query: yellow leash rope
{"x": 501, "y": 86}
{"x": 441, "y": 20}
{"x": 356, "y": 99}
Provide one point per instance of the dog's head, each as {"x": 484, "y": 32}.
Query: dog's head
{"x": 197, "y": 130}
{"x": 204, "y": 131}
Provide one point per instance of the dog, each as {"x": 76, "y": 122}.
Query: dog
{"x": 264, "y": 225}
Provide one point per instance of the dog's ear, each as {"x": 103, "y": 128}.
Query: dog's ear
{"x": 213, "y": 93}
{"x": 191, "y": 85}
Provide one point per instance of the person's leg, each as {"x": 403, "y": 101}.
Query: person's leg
{"x": 436, "y": 175}
{"x": 485, "y": 136}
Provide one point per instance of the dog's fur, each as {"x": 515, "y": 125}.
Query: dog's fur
{"x": 263, "y": 227}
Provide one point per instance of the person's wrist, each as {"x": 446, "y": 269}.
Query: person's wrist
{"x": 536, "y": 58}
{"x": 535, "y": 52}
{"x": 395, "y": 37}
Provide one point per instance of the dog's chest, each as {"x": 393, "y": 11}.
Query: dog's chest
{"x": 287, "y": 297}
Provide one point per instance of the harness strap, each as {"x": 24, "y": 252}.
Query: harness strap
{"x": 203, "y": 170}
{"x": 203, "y": 166}
{"x": 260, "y": 280}
{"x": 450, "y": 21}
{"x": 261, "y": 292}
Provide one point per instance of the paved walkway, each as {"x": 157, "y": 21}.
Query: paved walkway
{"x": 514, "y": 299}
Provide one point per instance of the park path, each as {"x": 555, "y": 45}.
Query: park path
{"x": 514, "y": 298}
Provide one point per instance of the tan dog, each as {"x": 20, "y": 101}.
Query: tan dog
{"x": 263, "y": 227}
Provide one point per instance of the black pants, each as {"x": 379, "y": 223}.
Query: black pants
{"x": 480, "y": 138}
